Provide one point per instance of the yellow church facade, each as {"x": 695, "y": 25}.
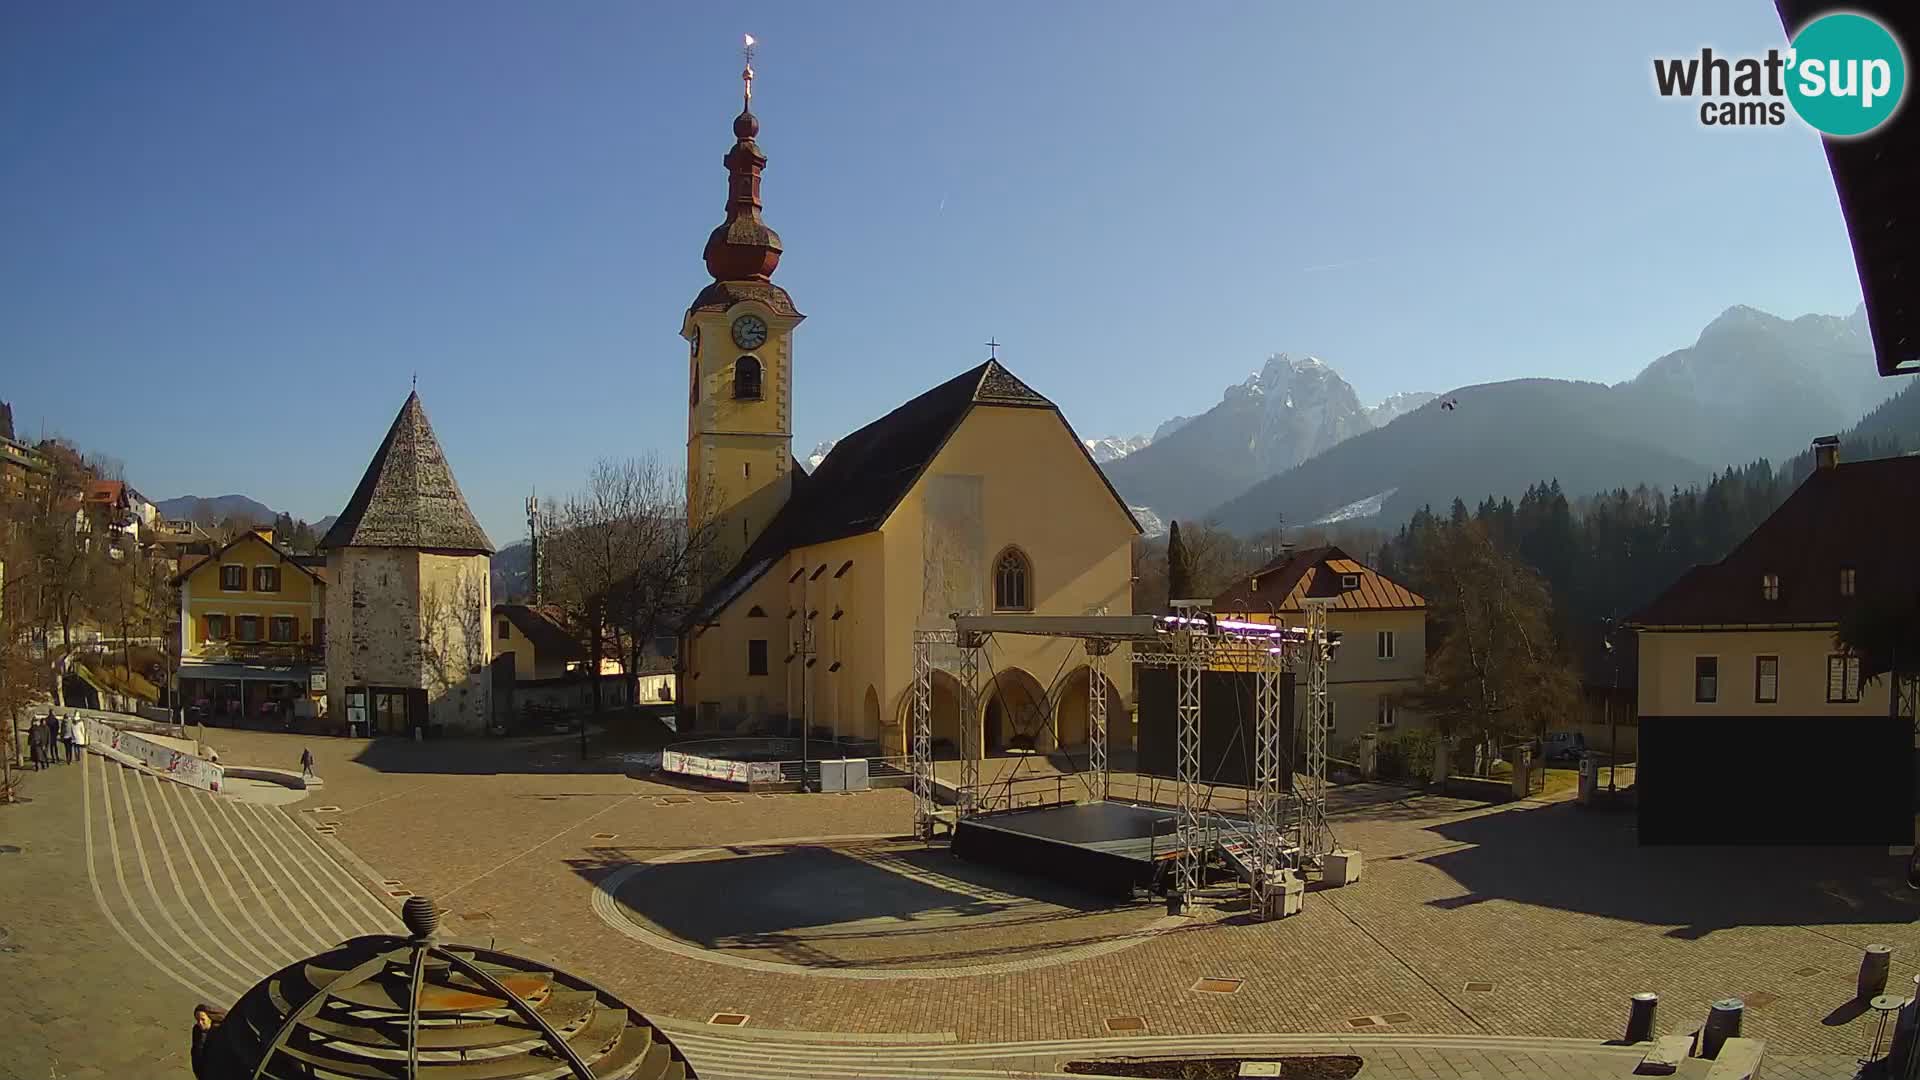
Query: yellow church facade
{"x": 976, "y": 496}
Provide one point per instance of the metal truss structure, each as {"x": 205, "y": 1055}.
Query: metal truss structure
{"x": 1191, "y": 641}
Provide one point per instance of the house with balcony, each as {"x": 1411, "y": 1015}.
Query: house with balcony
{"x": 252, "y": 632}
{"x": 1756, "y": 725}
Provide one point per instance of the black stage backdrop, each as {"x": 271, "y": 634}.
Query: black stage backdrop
{"x": 1226, "y": 725}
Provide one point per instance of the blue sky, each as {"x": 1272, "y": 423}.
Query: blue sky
{"x": 235, "y": 231}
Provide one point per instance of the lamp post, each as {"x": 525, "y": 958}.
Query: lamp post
{"x": 1613, "y": 729}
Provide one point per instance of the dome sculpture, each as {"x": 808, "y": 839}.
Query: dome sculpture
{"x": 384, "y": 1007}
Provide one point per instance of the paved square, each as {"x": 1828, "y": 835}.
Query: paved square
{"x": 1510, "y": 931}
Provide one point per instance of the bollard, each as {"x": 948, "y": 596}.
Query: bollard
{"x": 1873, "y": 971}
{"x": 1176, "y": 903}
{"x": 1640, "y": 1017}
{"x": 1723, "y": 1023}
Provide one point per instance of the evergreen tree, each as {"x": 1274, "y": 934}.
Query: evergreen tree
{"x": 1179, "y": 568}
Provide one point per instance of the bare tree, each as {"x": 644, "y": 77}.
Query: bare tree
{"x": 453, "y": 630}
{"x": 59, "y": 553}
{"x": 623, "y": 560}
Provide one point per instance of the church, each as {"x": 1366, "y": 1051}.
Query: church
{"x": 976, "y": 496}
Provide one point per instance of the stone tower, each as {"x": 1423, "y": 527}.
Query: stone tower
{"x": 409, "y": 605}
{"x": 739, "y": 331}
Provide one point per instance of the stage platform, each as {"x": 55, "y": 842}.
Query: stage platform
{"x": 1110, "y": 848}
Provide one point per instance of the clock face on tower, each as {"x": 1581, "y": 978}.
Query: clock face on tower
{"x": 749, "y": 332}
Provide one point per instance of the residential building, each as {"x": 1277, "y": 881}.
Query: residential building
{"x": 1748, "y": 703}
{"x": 252, "y": 630}
{"x": 410, "y": 597}
{"x": 1382, "y": 626}
{"x": 975, "y": 495}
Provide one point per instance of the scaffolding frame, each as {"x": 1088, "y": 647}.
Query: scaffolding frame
{"x": 1191, "y": 641}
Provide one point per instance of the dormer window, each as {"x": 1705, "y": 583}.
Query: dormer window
{"x": 1770, "y": 586}
{"x": 1349, "y": 581}
{"x": 1848, "y": 580}
{"x": 746, "y": 379}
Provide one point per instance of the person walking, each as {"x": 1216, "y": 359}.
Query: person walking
{"x": 33, "y": 742}
{"x": 306, "y": 764}
{"x": 80, "y": 736}
{"x": 66, "y": 737}
{"x": 205, "y": 1019}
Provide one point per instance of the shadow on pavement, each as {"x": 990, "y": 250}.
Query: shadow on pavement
{"x": 1561, "y": 856}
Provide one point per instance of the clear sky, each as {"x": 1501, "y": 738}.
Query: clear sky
{"x": 233, "y": 232}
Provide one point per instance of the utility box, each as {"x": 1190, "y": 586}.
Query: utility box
{"x": 858, "y": 776}
{"x": 833, "y": 775}
{"x": 1343, "y": 867}
{"x": 844, "y": 774}
{"x": 1589, "y": 778}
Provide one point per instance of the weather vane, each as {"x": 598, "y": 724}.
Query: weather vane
{"x": 746, "y": 74}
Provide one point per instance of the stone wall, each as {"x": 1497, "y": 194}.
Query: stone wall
{"x": 456, "y": 606}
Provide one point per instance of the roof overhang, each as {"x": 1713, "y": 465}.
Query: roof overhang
{"x": 1873, "y": 175}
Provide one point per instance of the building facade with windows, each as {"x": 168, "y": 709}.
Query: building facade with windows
{"x": 1755, "y": 725}
{"x": 974, "y": 496}
{"x": 1382, "y": 626}
{"x": 252, "y": 630}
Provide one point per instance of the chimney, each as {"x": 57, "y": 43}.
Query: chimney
{"x": 1826, "y": 452}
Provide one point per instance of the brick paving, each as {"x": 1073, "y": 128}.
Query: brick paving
{"x": 1555, "y": 906}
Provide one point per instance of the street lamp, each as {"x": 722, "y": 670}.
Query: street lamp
{"x": 1613, "y": 730}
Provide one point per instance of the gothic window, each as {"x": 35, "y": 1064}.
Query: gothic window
{"x": 1012, "y": 582}
{"x": 746, "y": 379}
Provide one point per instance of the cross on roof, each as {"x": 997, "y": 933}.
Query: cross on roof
{"x": 995, "y": 347}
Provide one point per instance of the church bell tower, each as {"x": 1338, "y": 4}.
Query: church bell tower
{"x": 739, "y": 334}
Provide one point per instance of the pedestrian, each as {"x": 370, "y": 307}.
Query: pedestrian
{"x": 80, "y": 736}
{"x": 205, "y": 1019}
{"x": 66, "y": 737}
{"x": 33, "y": 741}
{"x": 306, "y": 764}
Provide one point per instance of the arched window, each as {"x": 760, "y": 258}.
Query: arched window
{"x": 1012, "y": 582}
{"x": 746, "y": 379}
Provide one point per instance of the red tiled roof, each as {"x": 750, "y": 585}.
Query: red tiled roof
{"x": 1316, "y": 572}
{"x": 1863, "y": 515}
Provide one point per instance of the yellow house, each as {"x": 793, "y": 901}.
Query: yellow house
{"x": 252, "y": 629}
{"x": 1756, "y": 725}
{"x": 974, "y": 496}
{"x": 1382, "y": 626}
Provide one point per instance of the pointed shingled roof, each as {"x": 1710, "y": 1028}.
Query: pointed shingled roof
{"x": 408, "y": 497}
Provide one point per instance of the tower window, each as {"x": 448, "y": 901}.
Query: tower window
{"x": 1848, "y": 580}
{"x": 1012, "y": 585}
{"x": 757, "y": 656}
{"x": 746, "y": 379}
{"x": 1770, "y": 586}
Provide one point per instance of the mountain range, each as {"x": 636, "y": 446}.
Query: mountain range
{"x": 1292, "y": 444}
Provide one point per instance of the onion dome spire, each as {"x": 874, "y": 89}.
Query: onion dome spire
{"x": 743, "y": 248}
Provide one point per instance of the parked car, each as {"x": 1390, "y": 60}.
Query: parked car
{"x": 1563, "y": 745}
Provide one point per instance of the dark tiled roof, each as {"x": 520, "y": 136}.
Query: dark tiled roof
{"x": 1862, "y": 514}
{"x": 1284, "y": 583}
{"x": 857, "y": 485}
{"x": 543, "y": 627}
{"x": 408, "y": 497}
{"x": 1873, "y": 176}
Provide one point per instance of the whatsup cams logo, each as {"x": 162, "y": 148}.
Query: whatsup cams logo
{"x": 1843, "y": 74}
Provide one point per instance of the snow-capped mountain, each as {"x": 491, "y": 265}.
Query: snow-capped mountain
{"x": 820, "y": 454}
{"x": 1288, "y": 411}
{"x": 1115, "y": 447}
{"x": 1397, "y": 406}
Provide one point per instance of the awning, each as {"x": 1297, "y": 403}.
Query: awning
{"x": 244, "y": 672}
